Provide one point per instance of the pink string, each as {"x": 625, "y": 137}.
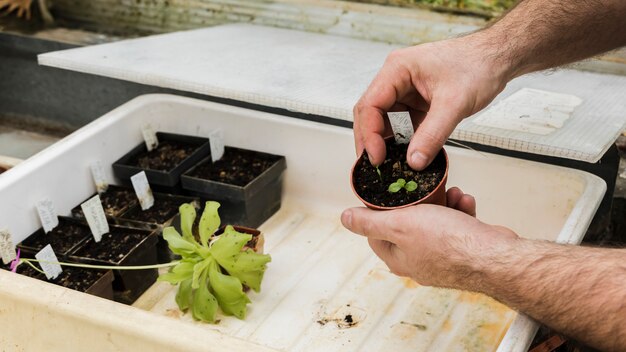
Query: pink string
{"x": 15, "y": 261}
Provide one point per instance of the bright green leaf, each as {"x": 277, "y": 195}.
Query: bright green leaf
{"x": 199, "y": 270}
{"x": 204, "y": 304}
{"x": 187, "y": 218}
{"x": 181, "y": 272}
{"x": 410, "y": 186}
{"x": 394, "y": 187}
{"x": 184, "y": 295}
{"x": 248, "y": 267}
{"x": 401, "y": 182}
{"x": 228, "y": 245}
{"x": 228, "y": 291}
{"x": 177, "y": 244}
{"x": 209, "y": 222}
{"x": 251, "y": 279}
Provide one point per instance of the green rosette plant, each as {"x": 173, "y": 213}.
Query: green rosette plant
{"x": 213, "y": 269}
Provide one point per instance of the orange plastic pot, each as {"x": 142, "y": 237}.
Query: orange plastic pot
{"x": 437, "y": 196}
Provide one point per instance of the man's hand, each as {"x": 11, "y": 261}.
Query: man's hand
{"x": 579, "y": 291}
{"x": 443, "y": 82}
{"x": 438, "y": 83}
{"x": 432, "y": 244}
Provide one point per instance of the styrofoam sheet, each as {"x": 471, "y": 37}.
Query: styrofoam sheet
{"x": 320, "y": 272}
{"x": 325, "y": 75}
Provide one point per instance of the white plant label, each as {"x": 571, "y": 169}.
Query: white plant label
{"x": 99, "y": 178}
{"x": 96, "y": 218}
{"x": 47, "y": 215}
{"x": 149, "y": 136}
{"x": 7, "y": 248}
{"x": 216, "y": 140}
{"x": 143, "y": 191}
{"x": 49, "y": 262}
{"x": 402, "y": 126}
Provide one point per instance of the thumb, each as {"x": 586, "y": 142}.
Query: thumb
{"x": 432, "y": 133}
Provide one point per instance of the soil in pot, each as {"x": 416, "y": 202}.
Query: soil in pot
{"x": 161, "y": 212}
{"x": 125, "y": 247}
{"x": 78, "y": 279}
{"x": 114, "y": 201}
{"x": 82, "y": 280}
{"x": 93, "y": 282}
{"x": 164, "y": 157}
{"x": 62, "y": 238}
{"x": 112, "y": 248}
{"x": 374, "y": 188}
{"x": 236, "y": 167}
{"x": 26, "y": 270}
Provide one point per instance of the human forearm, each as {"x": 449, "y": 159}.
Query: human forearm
{"x": 579, "y": 291}
{"x": 539, "y": 34}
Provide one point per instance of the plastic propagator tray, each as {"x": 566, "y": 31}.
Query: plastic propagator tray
{"x": 324, "y": 290}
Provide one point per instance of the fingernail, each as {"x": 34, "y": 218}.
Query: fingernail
{"x": 418, "y": 160}
{"x": 346, "y": 218}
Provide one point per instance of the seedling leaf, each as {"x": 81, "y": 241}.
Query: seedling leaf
{"x": 410, "y": 186}
{"x": 394, "y": 187}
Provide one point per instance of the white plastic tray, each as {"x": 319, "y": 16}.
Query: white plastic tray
{"x": 8, "y": 162}
{"x": 319, "y": 270}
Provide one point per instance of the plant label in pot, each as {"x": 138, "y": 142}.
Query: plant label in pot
{"x": 99, "y": 176}
{"x": 115, "y": 201}
{"x": 164, "y": 164}
{"x": 7, "y": 248}
{"x": 47, "y": 214}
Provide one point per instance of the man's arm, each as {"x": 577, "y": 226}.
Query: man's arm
{"x": 443, "y": 82}
{"x": 539, "y": 34}
{"x": 579, "y": 291}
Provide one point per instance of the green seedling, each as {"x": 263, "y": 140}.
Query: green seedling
{"x": 212, "y": 272}
{"x": 380, "y": 176}
{"x": 400, "y": 184}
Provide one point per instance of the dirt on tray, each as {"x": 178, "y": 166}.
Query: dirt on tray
{"x": 236, "y": 167}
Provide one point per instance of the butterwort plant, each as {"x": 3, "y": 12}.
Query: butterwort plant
{"x": 213, "y": 269}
